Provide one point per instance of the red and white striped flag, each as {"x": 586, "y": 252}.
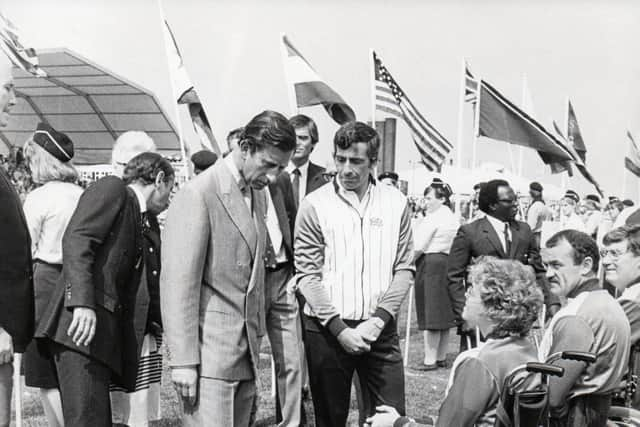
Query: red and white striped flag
{"x": 18, "y": 54}
{"x": 310, "y": 89}
{"x": 433, "y": 147}
{"x": 185, "y": 93}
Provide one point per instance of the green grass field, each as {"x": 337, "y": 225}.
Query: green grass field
{"x": 424, "y": 390}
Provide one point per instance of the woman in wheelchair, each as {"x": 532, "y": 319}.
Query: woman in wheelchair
{"x": 503, "y": 302}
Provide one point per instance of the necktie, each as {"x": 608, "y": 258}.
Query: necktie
{"x": 507, "y": 241}
{"x": 295, "y": 183}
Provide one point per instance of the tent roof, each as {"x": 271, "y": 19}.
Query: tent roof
{"x": 89, "y": 103}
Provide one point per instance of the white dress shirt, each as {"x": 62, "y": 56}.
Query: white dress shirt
{"x": 48, "y": 210}
{"x": 141, "y": 200}
{"x": 273, "y": 228}
{"x": 499, "y": 227}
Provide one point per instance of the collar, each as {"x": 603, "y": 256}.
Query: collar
{"x": 235, "y": 173}
{"x": 588, "y": 285}
{"x": 496, "y": 223}
{"x": 337, "y": 186}
{"x": 141, "y": 200}
{"x": 303, "y": 169}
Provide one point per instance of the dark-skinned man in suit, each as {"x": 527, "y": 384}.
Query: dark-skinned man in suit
{"x": 497, "y": 234}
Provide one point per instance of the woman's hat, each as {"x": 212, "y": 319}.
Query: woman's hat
{"x": 55, "y": 143}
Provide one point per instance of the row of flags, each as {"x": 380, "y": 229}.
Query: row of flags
{"x": 496, "y": 117}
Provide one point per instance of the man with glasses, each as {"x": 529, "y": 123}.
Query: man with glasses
{"x": 497, "y": 234}
{"x": 621, "y": 263}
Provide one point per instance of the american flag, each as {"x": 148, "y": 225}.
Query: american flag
{"x": 18, "y": 54}
{"x": 390, "y": 98}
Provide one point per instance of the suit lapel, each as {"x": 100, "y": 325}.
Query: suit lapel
{"x": 491, "y": 235}
{"x": 260, "y": 209}
{"x": 234, "y": 204}
{"x": 516, "y": 238}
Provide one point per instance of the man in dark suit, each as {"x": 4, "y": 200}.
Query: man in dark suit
{"x": 96, "y": 319}
{"x": 497, "y": 234}
{"x": 16, "y": 286}
{"x": 305, "y": 175}
{"x": 281, "y": 306}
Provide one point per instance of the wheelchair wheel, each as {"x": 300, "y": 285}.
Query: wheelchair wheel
{"x": 621, "y": 416}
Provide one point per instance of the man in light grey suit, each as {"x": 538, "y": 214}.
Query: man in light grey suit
{"x": 212, "y": 280}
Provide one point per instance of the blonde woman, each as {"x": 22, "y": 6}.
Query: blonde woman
{"x": 48, "y": 209}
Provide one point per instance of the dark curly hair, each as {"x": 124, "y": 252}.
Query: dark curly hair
{"x": 145, "y": 168}
{"x": 583, "y": 246}
{"x": 509, "y": 293}
{"x": 268, "y": 128}
{"x": 354, "y": 132}
{"x": 489, "y": 194}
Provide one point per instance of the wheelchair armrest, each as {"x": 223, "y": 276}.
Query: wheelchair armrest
{"x": 545, "y": 368}
{"x": 580, "y": 356}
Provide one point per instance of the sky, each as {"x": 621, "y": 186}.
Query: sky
{"x": 586, "y": 51}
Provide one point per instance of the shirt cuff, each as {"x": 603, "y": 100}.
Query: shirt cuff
{"x": 383, "y": 314}
{"x": 402, "y": 421}
{"x": 335, "y": 325}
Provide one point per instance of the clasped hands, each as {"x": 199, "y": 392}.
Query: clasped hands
{"x": 358, "y": 340}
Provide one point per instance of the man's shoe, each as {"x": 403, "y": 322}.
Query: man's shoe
{"x": 442, "y": 364}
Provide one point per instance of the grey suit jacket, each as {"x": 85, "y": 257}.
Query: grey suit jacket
{"x": 212, "y": 279}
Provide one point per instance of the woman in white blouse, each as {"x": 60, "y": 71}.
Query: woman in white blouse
{"x": 433, "y": 237}
{"x": 48, "y": 209}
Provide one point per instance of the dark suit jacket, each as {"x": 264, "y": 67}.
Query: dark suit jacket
{"x": 151, "y": 247}
{"x": 315, "y": 177}
{"x": 16, "y": 284}
{"x": 479, "y": 238}
{"x": 282, "y": 195}
{"x": 102, "y": 265}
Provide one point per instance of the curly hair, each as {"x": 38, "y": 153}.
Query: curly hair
{"x": 509, "y": 293}
{"x": 353, "y": 132}
{"x": 44, "y": 167}
{"x": 145, "y": 167}
{"x": 583, "y": 246}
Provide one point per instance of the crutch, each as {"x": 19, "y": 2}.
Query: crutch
{"x": 17, "y": 387}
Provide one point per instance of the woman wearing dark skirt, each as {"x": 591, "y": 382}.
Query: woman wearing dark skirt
{"x": 433, "y": 237}
{"x": 48, "y": 210}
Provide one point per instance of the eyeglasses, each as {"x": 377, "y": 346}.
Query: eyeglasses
{"x": 615, "y": 253}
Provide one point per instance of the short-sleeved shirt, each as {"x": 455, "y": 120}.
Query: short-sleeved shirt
{"x": 630, "y": 302}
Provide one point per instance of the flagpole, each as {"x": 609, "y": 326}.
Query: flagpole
{"x": 291, "y": 91}
{"x": 372, "y": 73}
{"x": 476, "y": 132}
{"x": 183, "y": 150}
{"x": 460, "y": 134}
{"x": 524, "y": 102}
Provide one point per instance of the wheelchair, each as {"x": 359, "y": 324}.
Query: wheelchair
{"x": 626, "y": 399}
{"x": 523, "y": 405}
